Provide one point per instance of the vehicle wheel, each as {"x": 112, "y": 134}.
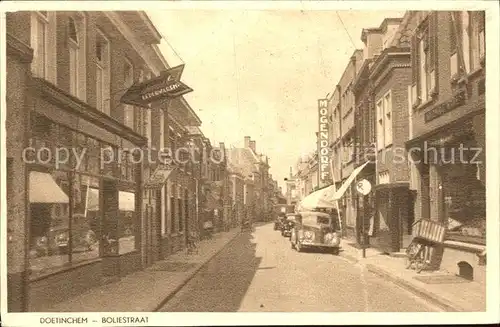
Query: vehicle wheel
{"x": 420, "y": 262}
{"x": 408, "y": 263}
{"x": 298, "y": 247}
{"x": 335, "y": 251}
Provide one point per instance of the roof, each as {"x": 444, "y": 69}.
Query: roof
{"x": 244, "y": 159}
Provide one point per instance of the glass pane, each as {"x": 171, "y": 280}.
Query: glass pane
{"x": 41, "y": 50}
{"x": 126, "y": 205}
{"x": 85, "y": 223}
{"x": 49, "y": 235}
{"x": 453, "y": 65}
{"x": 99, "y": 88}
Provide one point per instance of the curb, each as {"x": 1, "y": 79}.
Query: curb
{"x": 191, "y": 275}
{"x": 419, "y": 291}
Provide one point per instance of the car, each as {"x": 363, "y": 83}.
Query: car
{"x": 288, "y": 225}
{"x": 278, "y": 223}
{"x": 315, "y": 230}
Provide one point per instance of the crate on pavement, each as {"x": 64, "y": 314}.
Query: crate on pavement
{"x": 429, "y": 230}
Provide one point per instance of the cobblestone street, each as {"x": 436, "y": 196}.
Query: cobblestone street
{"x": 260, "y": 272}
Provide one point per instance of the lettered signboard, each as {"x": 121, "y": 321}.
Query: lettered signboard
{"x": 165, "y": 86}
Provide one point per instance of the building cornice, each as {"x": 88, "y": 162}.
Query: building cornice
{"x": 67, "y": 102}
{"x": 386, "y": 57}
{"x": 19, "y": 49}
{"x": 129, "y": 35}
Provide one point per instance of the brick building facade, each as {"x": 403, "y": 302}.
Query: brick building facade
{"x": 447, "y": 139}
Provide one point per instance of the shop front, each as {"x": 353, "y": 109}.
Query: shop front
{"x": 390, "y": 226}
{"x": 451, "y": 188}
{"x": 84, "y": 199}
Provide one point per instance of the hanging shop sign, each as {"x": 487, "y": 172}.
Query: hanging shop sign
{"x": 166, "y": 86}
{"x": 323, "y": 149}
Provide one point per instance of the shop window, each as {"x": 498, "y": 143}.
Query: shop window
{"x": 102, "y": 55}
{"x": 49, "y": 228}
{"x": 464, "y": 207}
{"x": 77, "y": 55}
{"x": 127, "y": 223}
{"x": 85, "y": 228}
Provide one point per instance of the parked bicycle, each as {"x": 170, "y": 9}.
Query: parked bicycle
{"x": 192, "y": 246}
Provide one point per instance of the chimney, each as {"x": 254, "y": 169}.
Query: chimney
{"x": 247, "y": 141}
{"x": 372, "y": 38}
{"x": 291, "y": 173}
{"x": 252, "y": 146}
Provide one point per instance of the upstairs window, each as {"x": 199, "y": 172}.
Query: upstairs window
{"x": 467, "y": 37}
{"x": 128, "y": 80}
{"x": 77, "y": 55}
{"x": 139, "y": 112}
{"x": 384, "y": 121}
{"x": 424, "y": 57}
{"x": 147, "y": 121}
{"x": 102, "y": 56}
{"x": 43, "y": 42}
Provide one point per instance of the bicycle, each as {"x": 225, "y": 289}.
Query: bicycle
{"x": 191, "y": 245}
{"x": 417, "y": 255}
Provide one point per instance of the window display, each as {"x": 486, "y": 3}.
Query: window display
{"x": 85, "y": 224}
{"x": 465, "y": 207}
{"x": 49, "y": 208}
{"x": 126, "y": 205}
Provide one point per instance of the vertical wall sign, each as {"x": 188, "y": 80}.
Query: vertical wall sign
{"x": 323, "y": 149}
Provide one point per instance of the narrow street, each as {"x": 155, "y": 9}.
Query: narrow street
{"x": 260, "y": 272}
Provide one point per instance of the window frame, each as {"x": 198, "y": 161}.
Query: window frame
{"x": 104, "y": 64}
{"x": 37, "y": 20}
{"x": 128, "y": 110}
{"x": 78, "y": 75}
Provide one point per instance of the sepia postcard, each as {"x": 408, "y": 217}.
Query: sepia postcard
{"x": 191, "y": 163}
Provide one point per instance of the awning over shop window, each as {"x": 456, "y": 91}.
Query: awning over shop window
{"x": 341, "y": 191}
{"x": 44, "y": 189}
{"x": 159, "y": 177}
{"x": 126, "y": 201}
{"x": 326, "y": 197}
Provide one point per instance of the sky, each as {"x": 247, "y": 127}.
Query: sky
{"x": 260, "y": 73}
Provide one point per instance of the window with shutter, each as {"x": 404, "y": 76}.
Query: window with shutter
{"x": 433, "y": 57}
{"x": 481, "y": 35}
{"x": 415, "y": 70}
{"x": 453, "y": 45}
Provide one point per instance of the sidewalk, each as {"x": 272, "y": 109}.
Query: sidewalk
{"x": 149, "y": 289}
{"x": 463, "y": 297}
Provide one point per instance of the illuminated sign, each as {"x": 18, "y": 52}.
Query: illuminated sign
{"x": 323, "y": 149}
